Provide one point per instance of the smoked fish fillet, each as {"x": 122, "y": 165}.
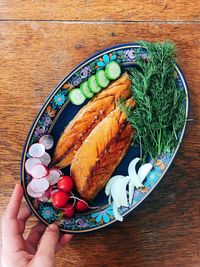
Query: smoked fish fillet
{"x": 100, "y": 153}
{"x": 87, "y": 119}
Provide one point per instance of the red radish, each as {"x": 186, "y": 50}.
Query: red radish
{"x": 81, "y": 206}
{"x": 53, "y": 176}
{"x": 65, "y": 184}
{"x": 39, "y": 185}
{"x": 54, "y": 191}
{"x": 30, "y": 163}
{"x": 69, "y": 210}
{"x": 78, "y": 199}
{"x": 45, "y": 159}
{"x": 59, "y": 199}
{"x": 32, "y": 193}
{"x": 46, "y": 141}
{"x": 36, "y": 150}
{"x": 39, "y": 170}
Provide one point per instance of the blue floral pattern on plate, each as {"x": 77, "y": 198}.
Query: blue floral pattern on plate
{"x": 103, "y": 216}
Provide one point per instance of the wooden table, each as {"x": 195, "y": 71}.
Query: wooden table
{"x": 40, "y": 42}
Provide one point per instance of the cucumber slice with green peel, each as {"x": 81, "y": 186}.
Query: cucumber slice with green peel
{"x": 112, "y": 70}
{"x": 92, "y": 84}
{"x": 85, "y": 90}
{"x": 101, "y": 79}
{"x": 76, "y": 96}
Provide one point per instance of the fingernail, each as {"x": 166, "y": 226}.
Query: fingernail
{"x": 53, "y": 227}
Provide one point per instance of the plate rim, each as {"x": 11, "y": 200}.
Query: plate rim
{"x": 46, "y": 102}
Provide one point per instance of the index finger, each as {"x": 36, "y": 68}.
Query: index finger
{"x": 14, "y": 203}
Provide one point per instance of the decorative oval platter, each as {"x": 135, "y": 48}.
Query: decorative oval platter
{"x": 58, "y": 111}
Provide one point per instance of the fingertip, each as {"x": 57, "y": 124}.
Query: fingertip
{"x": 53, "y": 228}
{"x": 19, "y": 188}
{"x": 67, "y": 237}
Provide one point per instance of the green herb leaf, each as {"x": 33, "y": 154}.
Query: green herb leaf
{"x": 159, "y": 113}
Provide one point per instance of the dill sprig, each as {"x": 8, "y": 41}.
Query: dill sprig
{"x": 159, "y": 113}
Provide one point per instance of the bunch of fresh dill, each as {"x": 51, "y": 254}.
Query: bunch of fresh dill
{"x": 159, "y": 113}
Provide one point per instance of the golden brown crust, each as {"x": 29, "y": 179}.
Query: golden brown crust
{"x": 87, "y": 119}
{"x": 100, "y": 154}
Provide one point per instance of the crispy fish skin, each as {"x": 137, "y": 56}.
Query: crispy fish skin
{"x": 100, "y": 154}
{"x": 87, "y": 119}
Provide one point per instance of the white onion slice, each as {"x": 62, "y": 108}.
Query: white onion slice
{"x": 131, "y": 167}
{"x": 110, "y": 183}
{"x": 118, "y": 192}
{"x": 30, "y": 163}
{"x": 144, "y": 170}
{"x": 36, "y": 150}
{"x": 136, "y": 181}
{"x": 122, "y": 197}
{"x": 32, "y": 193}
{"x": 39, "y": 171}
{"x": 115, "y": 192}
{"x": 116, "y": 213}
{"x": 53, "y": 176}
{"x": 131, "y": 190}
{"x": 109, "y": 199}
{"x": 39, "y": 185}
{"x": 47, "y": 141}
{"x": 45, "y": 159}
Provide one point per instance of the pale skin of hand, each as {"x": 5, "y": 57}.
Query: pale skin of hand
{"x": 41, "y": 244}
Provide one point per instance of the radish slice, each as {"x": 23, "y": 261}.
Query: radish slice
{"x": 53, "y": 176}
{"x": 36, "y": 150}
{"x": 30, "y": 163}
{"x": 117, "y": 214}
{"x": 48, "y": 192}
{"x": 39, "y": 171}
{"x": 110, "y": 183}
{"x": 39, "y": 185}
{"x": 131, "y": 167}
{"x": 144, "y": 170}
{"x": 58, "y": 170}
{"x": 46, "y": 141}
{"x": 45, "y": 159}
{"x": 43, "y": 198}
{"x": 32, "y": 193}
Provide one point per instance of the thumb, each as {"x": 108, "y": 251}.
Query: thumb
{"x": 49, "y": 241}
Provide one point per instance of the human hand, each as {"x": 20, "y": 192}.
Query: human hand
{"x": 40, "y": 246}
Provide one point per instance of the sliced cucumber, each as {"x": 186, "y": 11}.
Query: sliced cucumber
{"x": 112, "y": 70}
{"x": 92, "y": 84}
{"x": 76, "y": 96}
{"x": 85, "y": 90}
{"x": 101, "y": 79}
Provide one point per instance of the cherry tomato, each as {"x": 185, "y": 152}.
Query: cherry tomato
{"x": 60, "y": 199}
{"x": 65, "y": 183}
{"x": 69, "y": 210}
{"x": 81, "y": 206}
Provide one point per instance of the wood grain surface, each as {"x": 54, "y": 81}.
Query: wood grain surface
{"x": 96, "y": 10}
{"x": 35, "y": 55}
